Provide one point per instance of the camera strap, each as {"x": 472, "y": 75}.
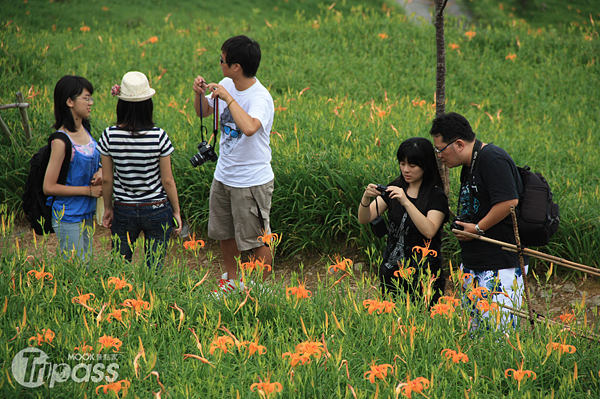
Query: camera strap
{"x": 203, "y": 128}
{"x": 471, "y": 179}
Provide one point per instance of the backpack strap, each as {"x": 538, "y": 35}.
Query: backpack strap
{"x": 64, "y": 169}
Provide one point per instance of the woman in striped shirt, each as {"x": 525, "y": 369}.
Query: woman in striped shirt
{"x": 136, "y": 160}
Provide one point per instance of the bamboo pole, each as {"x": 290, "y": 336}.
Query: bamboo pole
{"x": 543, "y": 319}
{"x": 536, "y": 254}
{"x": 24, "y": 117}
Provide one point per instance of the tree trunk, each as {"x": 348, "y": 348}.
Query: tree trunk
{"x": 440, "y": 78}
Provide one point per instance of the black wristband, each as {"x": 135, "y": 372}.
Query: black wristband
{"x": 366, "y": 206}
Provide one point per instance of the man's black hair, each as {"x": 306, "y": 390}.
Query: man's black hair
{"x": 244, "y": 51}
{"x": 452, "y": 126}
{"x": 135, "y": 116}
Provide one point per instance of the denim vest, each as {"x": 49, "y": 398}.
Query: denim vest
{"x": 81, "y": 171}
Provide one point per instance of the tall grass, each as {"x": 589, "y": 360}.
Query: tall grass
{"x": 350, "y": 83}
{"x": 170, "y": 345}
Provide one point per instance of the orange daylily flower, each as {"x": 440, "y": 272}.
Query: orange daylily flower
{"x": 560, "y": 347}
{"x": 425, "y": 250}
{"x": 117, "y": 314}
{"x": 442, "y": 309}
{"x": 454, "y": 46}
{"x": 566, "y": 317}
{"x": 107, "y": 341}
{"x": 84, "y": 28}
{"x": 83, "y": 348}
{"x": 456, "y": 357}
{"x": 520, "y": 374}
{"x": 296, "y": 358}
{"x": 511, "y": 57}
{"x": 82, "y": 299}
{"x": 380, "y": 307}
{"x": 221, "y": 343}
{"x": 470, "y": 34}
{"x": 416, "y": 103}
{"x": 40, "y": 275}
{"x": 462, "y": 276}
{"x": 403, "y": 272}
{"x": 254, "y": 264}
{"x": 340, "y": 264}
{"x": 387, "y": 306}
{"x": 47, "y": 336}
{"x": 372, "y": 305}
{"x": 136, "y": 304}
{"x": 268, "y": 239}
{"x": 383, "y": 36}
{"x": 119, "y": 283}
{"x": 380, "y": 371}
{"x": 449, "y": 300}
{"x": 266, "y": 388}
{"x": 300, "y": 291}
{"x": 310, "y": 348}
{"x": 254, "y": 347}
{"x": 193, "y": 243}
{"x": 485, "y": 306}
{"x": 416, "y": 385}
{"x": 479, "y": 292}
{"x": 116, "y": 387}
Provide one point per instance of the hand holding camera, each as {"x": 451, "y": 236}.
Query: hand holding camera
{"x": 463, "y": 223}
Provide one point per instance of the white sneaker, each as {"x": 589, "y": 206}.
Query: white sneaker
{"x": 227, "y": 286}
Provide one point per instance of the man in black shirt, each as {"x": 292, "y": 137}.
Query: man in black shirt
{"x": 490, "y": 185}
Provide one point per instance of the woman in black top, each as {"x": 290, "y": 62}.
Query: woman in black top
{"x": 417, "y": 208}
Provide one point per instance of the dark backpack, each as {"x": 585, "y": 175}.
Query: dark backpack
{"x": 538, "y": 215}
{"x": 34, "y": 199}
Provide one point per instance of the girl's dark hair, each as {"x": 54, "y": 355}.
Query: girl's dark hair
{"x": 419, "y": 151}
{"x": 135, "y": 117}
{"x": 69, "y": 86}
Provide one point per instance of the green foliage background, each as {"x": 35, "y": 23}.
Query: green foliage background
{"x": 347, "y": 79}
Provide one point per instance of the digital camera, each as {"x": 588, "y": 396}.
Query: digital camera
{"x": 460, "y": 218}
{"x": 206, "y": 152}
{"x": 383, "y": 190}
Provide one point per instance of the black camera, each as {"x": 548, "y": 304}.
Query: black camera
{"x": 383, "y": 190}
{"x": 206, "y": 152}
{"x": 460, "y": 218}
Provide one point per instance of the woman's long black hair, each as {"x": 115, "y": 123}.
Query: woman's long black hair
{"x": 69, "y": 86}
{"x": 419, "y": 151}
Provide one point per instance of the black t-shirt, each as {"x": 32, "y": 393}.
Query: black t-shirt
{"x": 402, "y": 239}
{"x": 496, "y": 179}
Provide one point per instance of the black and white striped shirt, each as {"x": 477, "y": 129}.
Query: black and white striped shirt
{"x": 136, "y": 162}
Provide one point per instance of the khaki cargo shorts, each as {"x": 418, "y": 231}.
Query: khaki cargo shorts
{"x": 233, "y": 213}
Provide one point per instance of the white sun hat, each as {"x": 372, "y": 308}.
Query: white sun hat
{"x": 135, "y": 87}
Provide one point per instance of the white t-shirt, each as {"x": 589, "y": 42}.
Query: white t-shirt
{"x": 245, "y": 161}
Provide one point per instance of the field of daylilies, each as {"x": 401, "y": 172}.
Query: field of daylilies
{"x": 350, "y": 80}
{"x": 112, "y": 329}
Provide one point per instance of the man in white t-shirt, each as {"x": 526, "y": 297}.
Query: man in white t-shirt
{"x": 242, "y": 187}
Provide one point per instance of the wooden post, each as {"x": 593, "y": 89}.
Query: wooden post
{"x": 24, "y": 117}
{"x": 522, "y": 264}
{"x": 5, "y": 129}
